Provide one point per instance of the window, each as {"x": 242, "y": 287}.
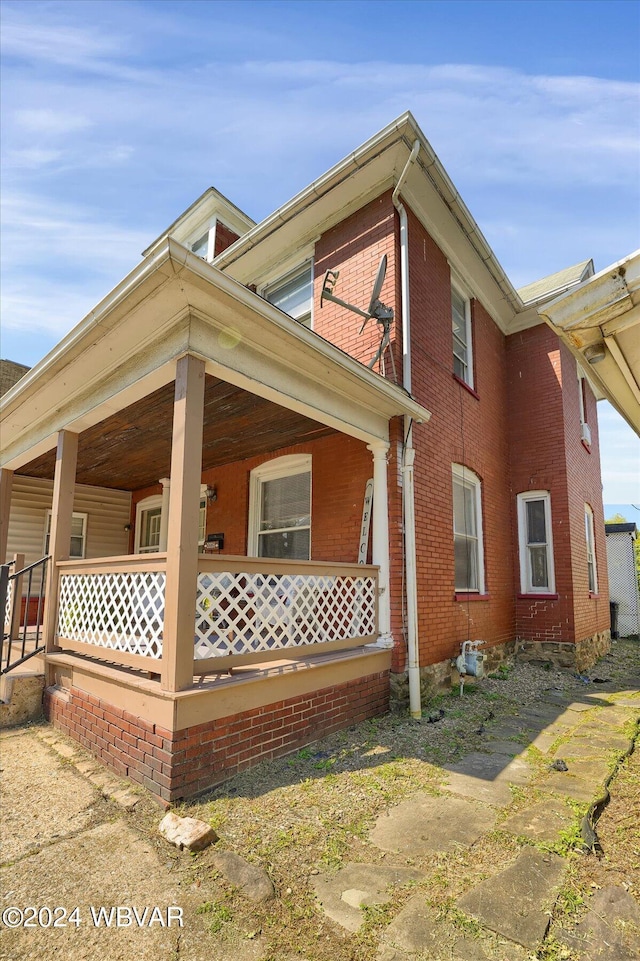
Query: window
{"x": 585, "y": 430}
{"x": 280, "y": 508}
{"x": 591, "y": 550}
{"x": 202, "y": 523}
{"x": 294, "y": 294}
{"x": 201, "y": 247}
{"x": 467, "y": 531}
{"x": 536, "y": 547}
{"x": 461, "y": 324}
{"x": 151, "y": 521}
{"x": 78, "y": 534}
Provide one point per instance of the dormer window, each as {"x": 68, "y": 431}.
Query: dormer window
{"x": 293, "y": 294}
{"x": 201, "y": 246}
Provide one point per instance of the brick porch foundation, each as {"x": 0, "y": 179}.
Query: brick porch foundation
{"x": 180, "y": 764}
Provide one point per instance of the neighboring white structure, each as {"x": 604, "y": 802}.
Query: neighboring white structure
{"x": 623, "y": 581}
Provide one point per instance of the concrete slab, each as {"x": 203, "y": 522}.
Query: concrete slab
{"x": 611, "y": 929}
{"x": 544, "y": 741}
{"x": 513, "y": 727}
{"x": 583, "y": 781}
{"x": 343, "y": 894}
{"x": 541, "y": 822}
{"x": 44, "y": 784}
{"x": 617, "y": 716}
{"x": 418, "y": 931}
{"x": 486, "y": 777}
{"x": 607, "y": 739}
{"x": 425, "y": 825}
{"x": 75, "y": 872}
{"x": 585, "y": 747}
{"x": 517, "y": 901}
{"x": 508, "y": 748}
{"x": 567, "y": 704}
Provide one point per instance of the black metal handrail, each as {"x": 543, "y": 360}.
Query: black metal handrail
{"x": 17, "y": 628}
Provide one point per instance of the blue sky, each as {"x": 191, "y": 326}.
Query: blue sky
{"x": 116, "y": 116}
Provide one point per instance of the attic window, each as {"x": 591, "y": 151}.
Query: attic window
{"x": 201, "y": 246}
{"x": 294, "y": 294}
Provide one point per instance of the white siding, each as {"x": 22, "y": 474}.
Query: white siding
{"x": 108, "y": 512}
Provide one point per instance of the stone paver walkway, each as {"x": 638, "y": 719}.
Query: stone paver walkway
{"x": 508, "y": 913}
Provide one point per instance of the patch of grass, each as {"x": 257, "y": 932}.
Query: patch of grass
{"x": 501, "y": 673}
{"x": 218, "y": 914}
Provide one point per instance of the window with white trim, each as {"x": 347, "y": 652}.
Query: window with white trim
{"x": 202, "y": 523}
{"x": 585, "y": 430}
{"x": 78, "y": 544}
{"x": 461, "y": 326}
{"x": 537, "y": 575}
{"x": 293, "y": 294}
{"x": 592, "y": 571}
{"x": 280, "y": 508}
{"x": 467, "y": 530}
{"x": 148, "y": 524}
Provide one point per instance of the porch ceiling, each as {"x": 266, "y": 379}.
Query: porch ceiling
{"x": 132, "y": 448}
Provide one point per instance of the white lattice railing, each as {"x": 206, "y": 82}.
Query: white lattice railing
{"x": 245, "y": 608}
{"x": 114, "y": 604}
{"x": 258, "y": 606}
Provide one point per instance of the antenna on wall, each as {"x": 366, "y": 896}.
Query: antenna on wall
{"x": 377, "y": 311}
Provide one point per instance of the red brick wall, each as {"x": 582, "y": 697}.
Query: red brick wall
{"x": 547, "y": 454}
{"x": 467, "y": 428}
{"x": 538, "y": 462}
{"x": 340, "y": 468}
{"x": 354, "y": 248}
{"x": 225, "y": 236}
{"x": 180, "y": 764}
{"x": 584, "y": 485}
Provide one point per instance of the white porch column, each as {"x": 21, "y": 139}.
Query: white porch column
{"x": 6, "y": 485}
{"x": 380, "y": 539}
{"x": 184, "y": 517}
{"x": 64, "y": 483}
{"x": 164, "y": 513}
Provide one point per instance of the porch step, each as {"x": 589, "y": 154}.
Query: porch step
{"x": 20, "y": 698}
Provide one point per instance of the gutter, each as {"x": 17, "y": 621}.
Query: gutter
{"x": 408, "y": 457}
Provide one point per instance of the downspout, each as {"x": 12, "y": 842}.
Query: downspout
{"x": 408, "y": 487}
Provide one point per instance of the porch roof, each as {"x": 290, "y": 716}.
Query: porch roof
{"x": 117, "y": 365}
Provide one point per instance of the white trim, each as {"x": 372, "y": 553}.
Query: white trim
{"x": 469, "y": 479}
{"x": 285, "y": 466}
{"x": 590, "y": 535}
{"x": 147, "y": 504}
{"x": 286, "y": 265}
{"x": 526, "y": 585}
{"x": 47, "y": 534}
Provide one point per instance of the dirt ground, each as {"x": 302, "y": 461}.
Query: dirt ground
{"x": 66, "y": 843}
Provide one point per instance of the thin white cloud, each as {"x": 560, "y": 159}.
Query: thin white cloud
{"x": 51, "y": 122}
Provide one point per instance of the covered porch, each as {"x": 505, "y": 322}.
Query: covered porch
{"x": 175, "y": 665}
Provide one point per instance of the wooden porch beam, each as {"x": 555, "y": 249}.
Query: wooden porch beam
{"x": 380, "y": 540}
{"x": 182, "y": 534}
{"x": 64, "y": 483}
{"x": 6, "y": 485}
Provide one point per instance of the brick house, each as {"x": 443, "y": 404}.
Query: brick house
{"x": 262, "y": 514}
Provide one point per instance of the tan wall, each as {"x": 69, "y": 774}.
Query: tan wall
{"x": 108, "y": 513}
